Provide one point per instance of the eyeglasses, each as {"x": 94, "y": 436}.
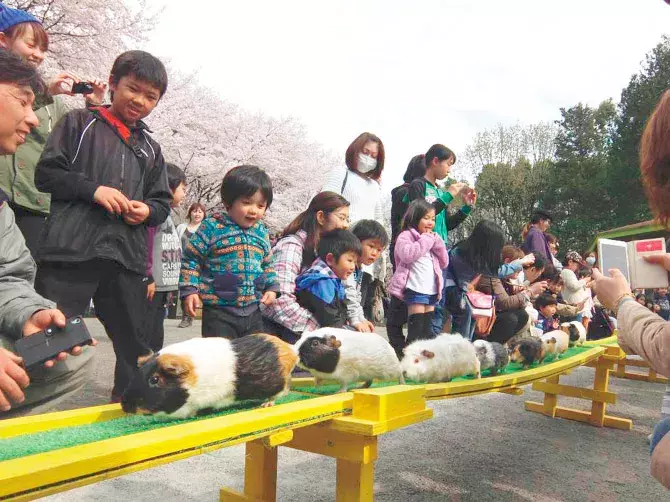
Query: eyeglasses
{"x": 342, "y": 218}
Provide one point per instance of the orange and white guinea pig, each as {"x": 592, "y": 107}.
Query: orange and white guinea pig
{"x": 209, "y": 374}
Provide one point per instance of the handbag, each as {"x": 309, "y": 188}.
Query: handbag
{"x": 482, "y": 308}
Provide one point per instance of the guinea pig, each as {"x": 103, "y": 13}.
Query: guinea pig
{"x": 526, "y": 351}
{"x": 556, "y": 342}
{"x": 347, "y": 356}
{"x": 491, "y": 355}
{"x": 209, "y": 374}
{"x": 576, "y": 331}
{"x": 440, "y": 359}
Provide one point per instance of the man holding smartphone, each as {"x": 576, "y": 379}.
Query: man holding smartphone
{"x": 22, "y": 311}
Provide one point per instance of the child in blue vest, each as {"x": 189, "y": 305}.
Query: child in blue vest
{"x": 320, "y": 289}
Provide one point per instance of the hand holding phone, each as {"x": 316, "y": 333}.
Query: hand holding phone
{"x": 53, "y": 342}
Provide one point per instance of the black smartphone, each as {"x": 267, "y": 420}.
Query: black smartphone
{"x": 40, "y": 347}
{"x": 82, "y": 88}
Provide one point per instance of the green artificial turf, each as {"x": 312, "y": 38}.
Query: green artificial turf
{"x": 41, "y": 442}
{"x": 325, "y": 390}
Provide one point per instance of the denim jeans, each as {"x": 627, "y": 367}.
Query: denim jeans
{"x": 461, "y": 315}
{"x": 661, "y": 429}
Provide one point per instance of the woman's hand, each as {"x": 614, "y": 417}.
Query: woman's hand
{"x": 62, "y": 83}
{"x": 659, "y": 259}
{"x": 529, "y": 259}
{"x": 610, "y": 289}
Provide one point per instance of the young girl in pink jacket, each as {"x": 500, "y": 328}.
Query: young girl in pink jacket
{"x": 420, "y": 257}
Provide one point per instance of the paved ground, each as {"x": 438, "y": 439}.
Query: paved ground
{"x": 484, "y": 448}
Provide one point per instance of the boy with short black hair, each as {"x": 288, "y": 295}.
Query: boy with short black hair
{"x": 107, "y": 181}
{"x": 228, "y": 261}
{"x": 164, "y": 262}
{"x": 374, "y": 239}
{"x": 547, "y": 320}
{"x": 320, "y": 288}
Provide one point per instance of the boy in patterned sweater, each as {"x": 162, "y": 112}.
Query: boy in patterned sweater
{"x": 227, "y": 264}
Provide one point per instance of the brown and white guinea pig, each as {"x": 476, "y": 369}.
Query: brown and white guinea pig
{"x": 347, "y": 356}
{"x": 440, "y": 359}
{"x": 209, "y": 374}
{"x": 576, "y": 331}
{"x": 526, "y": 351}
{"x": 491, "y": 355}
{"x": 555, "y": 342}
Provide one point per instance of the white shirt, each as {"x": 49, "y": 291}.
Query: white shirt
{"x": 422, "y": 276}
{"x": 365, "y": 198}
{"x": 364, "y": 195}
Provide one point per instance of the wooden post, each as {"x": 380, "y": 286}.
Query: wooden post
{"x": 260, "y": 470}
{"x": 355, "y": 481}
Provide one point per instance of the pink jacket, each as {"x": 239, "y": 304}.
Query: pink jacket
{"x": 410, "y": 246}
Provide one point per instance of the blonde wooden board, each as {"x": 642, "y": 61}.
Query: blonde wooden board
{"x": 39, "y": 423}
{"x": 372, "y": 428}
{"x": 610, "y": 340}
{"x": 576, "y": 392}
{"x": 324, "y": 440}
{"x": 581, "y": 416}
{"x": 145, "y": 449}
{"x": 500, "y": 382}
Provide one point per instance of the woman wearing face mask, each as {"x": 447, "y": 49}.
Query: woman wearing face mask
{"x": 359, "y": 183}
{"x": 591, "y": 259}
{"x": 24, "y": 35}
{"x": 294, "y": 252}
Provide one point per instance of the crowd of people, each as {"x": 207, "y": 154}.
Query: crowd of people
{"x": 87, "y": 195}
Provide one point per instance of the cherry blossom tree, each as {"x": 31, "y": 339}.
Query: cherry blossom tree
{"x": 197, "y": 129}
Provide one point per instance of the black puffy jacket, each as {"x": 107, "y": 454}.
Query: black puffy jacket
{"x": 87, "y": 149}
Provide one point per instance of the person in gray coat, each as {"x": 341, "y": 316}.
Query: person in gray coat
{"x": 22, "y": 311}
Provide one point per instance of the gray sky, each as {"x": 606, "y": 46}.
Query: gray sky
{"x": 413, "y": 72}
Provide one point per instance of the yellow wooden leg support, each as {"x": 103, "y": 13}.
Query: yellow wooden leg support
{"x": 599, "y": 396}
{"x": 260, "y": 470}
{"x": 355, "y": 481}
{"x": 355, "y": 456}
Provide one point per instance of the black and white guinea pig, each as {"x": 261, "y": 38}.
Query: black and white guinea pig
{"x": 347, "y": 356}
{"x": 440, "y": 359}
{"x": 526, "y": 351}
{"x": 491, "y": 355}
{"x": 209, "y": 374}
{"x": 576, "y": 331}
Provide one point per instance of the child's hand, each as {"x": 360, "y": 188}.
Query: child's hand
{"x": 269, "y": 297}
{"x": 137, "y": 213}
{"x": 151, "y": 291}
{"x": 98, "y": 96}
{"x": 365, "y": 327}
{"x": 192, "y": 302}
{"x": 111, "y": 199}
{"x": 456, "y": 188}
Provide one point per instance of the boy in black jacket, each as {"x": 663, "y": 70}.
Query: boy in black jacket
{"x": 108, "y": 183}
{"x": 320, "y": 289}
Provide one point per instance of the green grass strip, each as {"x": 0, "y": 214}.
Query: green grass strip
{"x": 325, "y": 390}
{"x": 66, "y": 437}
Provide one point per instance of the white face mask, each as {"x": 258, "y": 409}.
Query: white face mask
{"x": 591, "y": 260}
{"x": 366, "y": 163}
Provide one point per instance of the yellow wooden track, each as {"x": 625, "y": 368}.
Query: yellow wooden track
{"x": 343, "y": 426}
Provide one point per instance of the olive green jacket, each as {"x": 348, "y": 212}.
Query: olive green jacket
{"x": 17, "y": 172}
